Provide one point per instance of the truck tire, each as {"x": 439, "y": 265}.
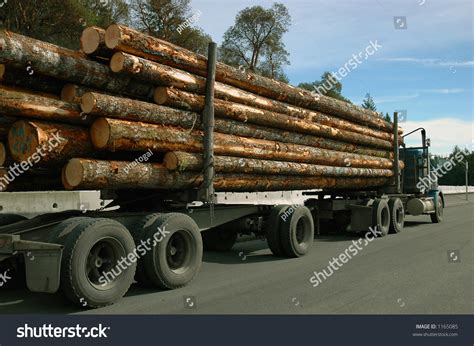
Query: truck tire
{"x": 380, "y": 217}
{"x": 221, "y": 238}
{"x": 297, "y": 232}
{"x": 91, "y": 254}
{"x": 60, "y": 232}
{"x": 8, "y": 219}
{"x": 137, "y": 232}
{"x": 397, "y": 215}
{"x": 176, "y": 257}
{"x": 437, "y": 216}
{"x": 272, "y": 229}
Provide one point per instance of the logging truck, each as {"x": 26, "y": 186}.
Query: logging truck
{"x": 88, "y": 243}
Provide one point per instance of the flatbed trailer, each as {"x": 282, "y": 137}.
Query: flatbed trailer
{"x": 93, "y": 244}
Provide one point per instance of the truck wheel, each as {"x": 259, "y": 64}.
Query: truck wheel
{"x": 176, "y": 254}
{"x": 437, "y": 216}
{"x": 297, "y": 232}
{"x": 137, "y": 232}
{"x": 221, "y": 238}
{"x": 397, "y": 215}
{"x": 272, "y": 229}
{"x": 60, "y": 232}
{"x": 381, "y": 217}
{"x": 90, "y": 272}
{"x": 8, "y": 219}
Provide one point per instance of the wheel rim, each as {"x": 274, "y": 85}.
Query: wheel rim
{"x": 179, "y": 251}
{"x": 302, "y": 231}
{"x": 385, "y": 218}
{"x": 440, "y": 207}
{"x": 103, "y": 258}
{"x": 399, "y": 215}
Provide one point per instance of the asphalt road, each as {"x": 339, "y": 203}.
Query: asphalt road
{"x": 410, "y": 273}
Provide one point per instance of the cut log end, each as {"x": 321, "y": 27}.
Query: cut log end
{"x": 90, "y": 40}
{"x": 100, "y": 133}
{"x": 23, "y": 140}
{"x": 170, "y": 160}
{"x": 160, "y": 95}
{"x": 2, "y": 71}
{"x": 68, "y": 93}
{"x": 88, "y": 102}
{"x": 72, "y": 174}
{"x": 117, "y": 62}
{"x": 112, "y": 36}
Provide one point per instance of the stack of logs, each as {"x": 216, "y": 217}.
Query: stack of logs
{"x": 83, "y": 119}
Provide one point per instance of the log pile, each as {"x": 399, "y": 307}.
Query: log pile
{"x": 83, "y": 119}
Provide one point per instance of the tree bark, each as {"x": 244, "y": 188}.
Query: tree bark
{"x": 174, "y": 97}
{"x": 33, "y": 143}
{"x": 122, "y": 135}
{"x": 182, "y": 161}
{"x": 18, "y": 103}
{"x": 94, "y": 174}
{"x": 115, "y": 107}
{"x": 73, "y": 93}
{"x": 93, "y": 42}
{"x": 119, "y": 37}
{"x": 28, "y": 79}
{"x": 65, "y": 64}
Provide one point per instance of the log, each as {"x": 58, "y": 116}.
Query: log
{"x": 33, "y": 142}
{"x": 122, "y": 135}
{"x": 282, "y": 121}
{"x": 18, "y": 103}
{"x": 5, "y": 123}
{"x": 182, "y": 161}
{"x": 3, "y": 154}
{"x": 95, "y": 174}
{"x": 119, "y": 37}
{"x": 164, "y": 75}
{"x": 65, "y": 64}
{"x": 115, "y": 107}
{"x": 174, "y": 97}
{"x": 93, "y": 42}
{"x": 22, "y": 78}
{"x": 73, "y": 93}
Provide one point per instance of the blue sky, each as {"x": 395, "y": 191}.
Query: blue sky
{"x": 426, "y": 69}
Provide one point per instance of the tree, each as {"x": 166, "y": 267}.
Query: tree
{"x": 328, "y": 85}
{"x": 255, "y": 43}
{"x": 58, "y": 21}
{"x": 171, "y": 20}
{"x": 369, "y": 103}
{"x": 387, "y": 117}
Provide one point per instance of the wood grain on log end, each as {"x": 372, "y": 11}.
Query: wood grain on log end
{"x": 23, "y": 140}
{"x": 90, "y": 40}
{"x": 68, "y": 93}
{"x": 100, "y": 133}
{"x": 117, "y": 61}
{"x": 160, "y": 96}
{"x": 112, "y": 36}
{"x": 72, "y": 174}
{"x": 170, "y": 160}
{"x": 88, "y": 102}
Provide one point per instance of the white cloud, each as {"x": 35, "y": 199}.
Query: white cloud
{"x": 444, "y": 133}
{"x": 444, "y": 91}
{"x": 431, "y": 62}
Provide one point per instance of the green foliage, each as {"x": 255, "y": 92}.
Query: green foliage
{"x": 60, "y": 21}
{"x": 328, "y": 85}
{"x": 369, "y": 103}
{"x": 166, "y": 19}
{"x": 255, "y": 41}
{"x": 456, "y": 176}
{"x": 387, "y": 118}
